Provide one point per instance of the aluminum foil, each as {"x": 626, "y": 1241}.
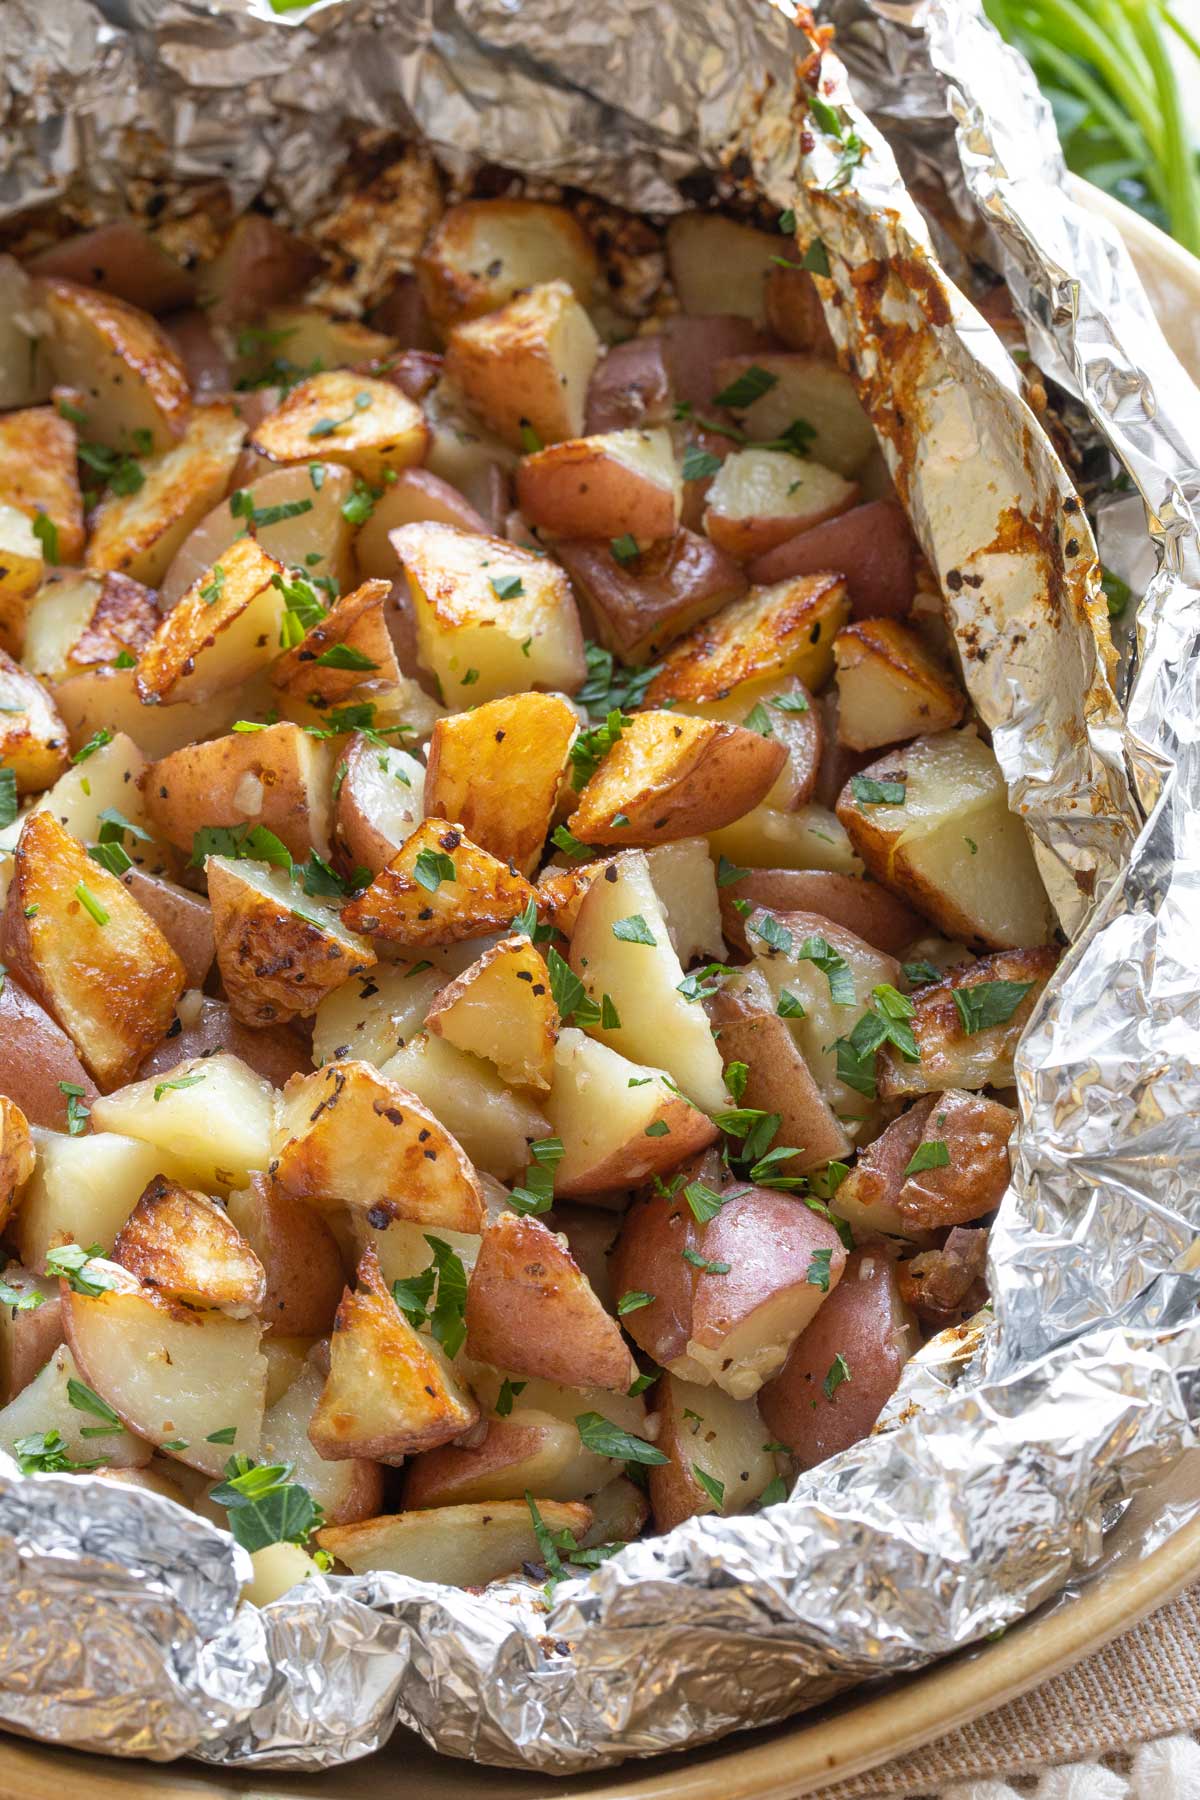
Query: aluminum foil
{"x": 1007, "y": 1452}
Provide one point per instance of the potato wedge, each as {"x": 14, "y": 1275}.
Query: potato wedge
{"x": 809, "y": 389}
{"x": 258, "y": 265}
{"x": 29, "y": 1335}
{"x": 462, "y": 1546}
{"x": 750, "y": 1031}
{"x": 438, "y": 889}
{"x": 33, "y": 738}
{"x": 366, "y": 425}
{"x": 641, "y": 603}
{"x": 718, "y": 265}
{"x": 621, "y": 483}
{"x": 21, "y": 570}
{"x": 620, "y": 1123}
{"x": 861, "y": 905}
{"x": 38, "y": 475}
{"x": 526, "y": 1452}
{"x": 296, "y": 515}
{"x": 479, "y": 644}
{"x": 279, "y": 952}
{"x": 531, "y": 1310}
{"x": 172, "y": 1376}
{"x": 621, "y": 951}
{"x": 44, "y": 1404}
{"x": 761, "y": 498}
{"x": 391, "y": 1391}
{"x": 278, "y": 778}
{"x": 380, "y": 800}
{"x": 960, "y": 1045}
{"x": 299, "y": 1255}
{"x": 121, "y": 259}
{"x": 968, "y": 1132}
{"x": 494, "y": 1124}
{"x": 949, "y": 843}
{"x": 889, "y": 687}
{"x": 783, "y": 630}
{"x": 348, "y": 1136}
{"x": 84, "y": 947}
{"x": 872, "y": 546}
{"x": 497, "y": 770}
{"x": 184, "y": 1245}
{"x": 685, "y": 881}
{"x": 502, "y": 1010}
{"x": 212, "y": 1116}
{"x": 347, "y": 654}
{"x": 702, "y": 1429}
{"x": 16, "y": 1155}
{"x": 671, "y": 776}
{"x": 483, "y": 252}
{"x": 222, "y": 630}
{"x": 36, "y": 1056}
{"x": 134, "y": 387}
{"x": 527, "y": 365}
{"x": 140, "y": 534}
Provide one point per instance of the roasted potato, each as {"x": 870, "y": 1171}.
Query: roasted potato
{"x": 184, "y": 919}
{"x": 108, "y": 700}
{"x": 494, "y": 1124}
{"x": 630, "y": 387}
{"x": 502, "y": 1010}
{"x": 483, "y": 252}
{"x": 959, "y": 1143}
{"x": 203, "y": 1026}
{"x": 39, "y": 1064}
{"x": 642, "y": 602}
{"x": 222, "y": 630}
{"x": 16, "y": 1155}
{"x": 82, "y": 946}
{"x": 278, "y": 778}
{"x": 33, "y": 738}
{"x": 307, "y": 339}
{"x": 861, "y": 905}
{"x": 297, "y": 517}
{"x": 779, "y": 391}
{"x": 124, "y": 618}
{"x": 621, "y": 483}
{"x": 83, "y": 1189}
{"x": 123, "y": 260}
{"x": 379, "y": 801}
{"x": 718, "y": 265}
{"x": 620, "y": 1123}
{"x": 44, "y": 1404}
{"x": 497, "y": 770}
{"x": 871, "y": 547}
{"x": 779, "y": 708}
{"x": 212, "y": 1116}
{"x": 527, "y": 365}
{"x": 969, "y": 1042}
{"x": 58, "y": 614}
{"x": 279, "y": 952}
{"x": 416, "y": 496}
{"x": 889, "y": 687}
{"x": 366, "y": 425}
{"x": 348, "y": 1136}
{"x": 133, "y": 385}
{"x": 525, "y": 1452}
{"x": 347, "y": 1490}
{"x": 783, "y": 630}
{"x": 465, "y": 1546}
{"x": 391, "y": 1391}
{"x": 21, "y": 570}
{"x": 99, "y": 785}
{"x": 704, "y": 1433}
{"x": 347, "y": 654}
{"x": 439, "y": 888}
{"x": 807, "y": 837}
{"x": 921, "y": 816}
{"x": 182, "y": 1244}
{"x": 29, "y": 1335}
{"x": 299, "y": 1255}
{"x": 778, "y": 1080}
{"x": 38, "y": 475}
{"x": 761, "y": 498}
{"x": 258, "y": 265}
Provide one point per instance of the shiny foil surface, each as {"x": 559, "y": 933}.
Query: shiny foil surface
{"x": 1015, "y": 1441}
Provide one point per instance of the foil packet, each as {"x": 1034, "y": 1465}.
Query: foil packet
{"x": 1012, "y": 1446}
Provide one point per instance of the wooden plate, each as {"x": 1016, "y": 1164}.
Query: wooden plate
{"x": 790, "y": 1760}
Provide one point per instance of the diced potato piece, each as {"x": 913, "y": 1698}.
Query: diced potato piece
{"x": 416, "y": 496}
{"x": 278, "y": 1568}
{"x": 279, "y": 778}
{"x": 463, "y": 1546}
{"x": 44, "y": 1405}
{"x": 527, "y": 365}
{"x": 620, "y": 483}
{"x": 719, "y": 266}
{"x": 526, "y": 1452}
{"x": 391, "y": 1390}
{"x": 29, "y": 1335}
{"x": 347, "y": 1135}
{"x": 347, "y": 655}
{"x": 479, "y": 645}
{"x": 787, "y": 629}
{"x": 501, "y": 1009}
{"x": 794, "y": 312}
{"x": 88, "y": 951}
{"x": 872, "y": 546}
{"x": 610, "y": 1114}
{"x": 134, "y": 385}
{"x": 956, "y": 1054}
{"x": 889, "y": 687}
{"x": 370, "y": 1018}
{"x": 58, "y": 614}
{"x": 297, "y": 518}
{"x": 108, "y": 700}
{"x": 612, "y": 957}
{"x": 21, "y": 568}
{"x": 531, "y": 1310}
{"x": 279, "y": 951}
{"x": 880, "y": 1196}
{"x": 464, "y": 453}
{"x": 497, "y": 770}
{"x": 703, "y": 1429}
{"x": 778, "y": 1080}
{"x": 105, "y": 780}
{"x": 212, "y": 1115}
{"x": 761, "y": 498}
{"x": 364, "y": 424}
{"x": 33, "y": 739}
{"x": 140, "y": 533}
{"x": 301, "y": 1262}
{"x": 258, "y": 264}
{"x": 350, "y": 1488}
{"x": 183, "y": 1244}
{"x": 310, "y": 340}
{"x": 438, "y": 889}
{"x": 172, "y": 1376}
{"x": 16, "y": 1155}
{"x": 808, "y": 838}
{"x": 484, "y": 252}
{"x": 38, "y": 475}
{"x": 809, "y": 389}
{"x": 24, "y": 327}
{"x": 779, "y": 708}
{"x": 380, "y": 800}
{"x": 639, "y": 604}
{"x": 224, "y": 628}
{"x": 672, "y": 776}
{"x": 494, "y": 1125}
{"x": 122, "y": 259}
{"x": 83, "y": 1189}
{"x": 855, "y": 901}
{"x": 630, "y": 386}
{"x": 950, "y": 845}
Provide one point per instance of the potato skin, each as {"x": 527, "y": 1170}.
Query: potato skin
{"x": 670, "y": 776}
{"x": 952, "y": 1057}
{"x": 36, "y": 1055}
{"x": 639, "y": 606}
{"x": 864, "y": 907}
{"x": 275, "y": 1054}
{"x": 871, "y": 546}
{"x": 779, "y": 1079}
{"x": 299, "y": 1255}
{"x": 279, "y": 778}
{"x": 16, "y": 1155}
{"x": 485, "y": 895}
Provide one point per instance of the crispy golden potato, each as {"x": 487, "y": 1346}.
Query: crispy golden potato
{"x": 700, "y": 1428}
{"x": 620, "y": 1123}
{"x": 932, "y": 821}
{"x": 624, "y": 482}
{"x": 347, "y": 654}
{"x": 279, "y": 951}
{"x": 364, "y": 424}
{"x": 140, "y": 534}
{"x": 122, "y": 259}
{"x": 173, "y": 1376}
{"x": 29, "y": 1335}
{"x": 183, "y": 1244}
{"x": 278, "y": 778}
{"x": 16, "y": 1155}
{"x": 224, "y": 628}
{"x": 966, "y": 1131}
{"x": 134, "y": 387}
{"x": 531, "y": 1310}
{"x": 958, "y": 1048}
{"x": 639, "y": 604}
{"x": 380, "y": 800}
{"x": 391, "y": 1390}
{"x": 719, "y": 266}
{"x": 761, "y": 498}
{"x": 861, "y": 905}
{"x": 672, "y": 776}
{"x": 301, "y": 1262}
{"x": 889, "y": 687}
{"x": 44, "y": 1405}
{"x": 783, "y": 630}
{"x": 497, "y": 770}
{"x": 501, "y": 1009}
{"x": 346, "y": 1490}
{"x": 297, "y": 517}
{"x": 38, "y": 475}
{"x": 439, "y": 889}
{"x": 778, "y": 1080}
{"x": 464, "y": 1546}
{"x": 483, "y": 252}
{"x": 37, "y": 1059}
{"x": 33, "y": 738}
{"x": 527, "y": 365}
{"x": 348, "y": 1136}
{"x": 811, "y": 389}
{"x": 88, "y": 952}
{"x": 209, "y": 1119}
{"x": 492, "y": 619}
{"x": 124, "y": 618}
{"x": 21, "y": 569}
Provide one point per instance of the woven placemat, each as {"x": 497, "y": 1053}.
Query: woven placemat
{"x": 1142, "y": 1686}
